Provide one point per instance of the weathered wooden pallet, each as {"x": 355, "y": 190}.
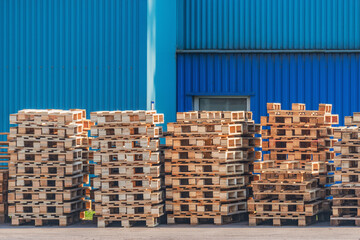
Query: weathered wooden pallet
{"x": 265, "y": 184}
{"x": 204, "y": 155}
{"x": 194, "y": 219}
{"x": 129, "y": 171}
{"x": 215, "y": 169}
{"x": 47, "y": 194}
{"x": 43, "y": 168}
{"x": 347, "y": 208}
{"x": 206, "y": 181}
{"x": 126, "y": 131}
{"x": 309, "y": 195}
{"x": 286, "y": 219}
{"x": 292, "y": 169}
{"x": 48, "y": 155}
{"x": 322, "y": 156}
{"x": 31, "y": 130}
{"x": 45, "y": 219}
{"x": 24, "y": 181}
{"x": 298, "y": 144}
{"x": 311, "y": 121}
{"x": 128, "y": 221}
{"x": 51, "y": 116}
{"x": 119, "y": 210}
{"x": 45, "y": 207}
{"x": 132, "y": 197}
{"x": 344, "y": 220}
{"x": 45, "y": 143}
{"x": 207, "y": 194}
{"x": 349, "y": 189}
{"x": 115, "y": 144}
{"x": 144, "y": 157}
{"x": 127, "y": 117}
{"x": 208, "y": 116}
{"x": 347, "y": 177}
{"x": 109, "y": 184}
{"x": 212, "y": 129}
{"x": 210, "y": 207}
{"x": 284, "y": 207}
{"x": 217, "y": 142}
{"x": 297, "y": 132}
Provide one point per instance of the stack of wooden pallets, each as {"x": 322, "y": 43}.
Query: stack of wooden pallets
{"x": 346, "y": 191}
{"x": 4, "y": 175}
{"x": 297, "y": 147}
{"x": 130, "y": 167}
{"x": 208, "y": 164}
{"x": 48, "y": 163}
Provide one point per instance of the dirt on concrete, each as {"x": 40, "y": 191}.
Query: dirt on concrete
{"x": 232, "y": 231}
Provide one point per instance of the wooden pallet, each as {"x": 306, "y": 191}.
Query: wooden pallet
{"x": 47, "y": 194}
{"x": 52, "y": 169}
{"x": 211, "y": 156}
{"x": 126, "y": 131}
{"x": 285, "y": 207}
{"x": 297, "y": 132}
{"x": 49, "y": 117}
{"x": 33, "y": 130}
{"x": 133, "y": 197}
{"x": 344, "y": 220}
{"x": 130, "y": 184}
{"x": 286, "y": 219}
{"x": 213, "y": 128}
{"x": 128, "y": 221}
{"x": 126, "y": 117}
{"x": 205, "y": 219}
{"x": 144, "y": 209}
{"x": 202, "y": 194}
{"x": 227, "y": 143}
{"x": 146, "y": 157}
{"x": 114, "y": 144}
{"x": 42, "y": 220}
{"x": 135, "y": 171}
{"x": 4, "y": 175}
{"x": 226, "y": 182}
{"x": 214, "y": 116}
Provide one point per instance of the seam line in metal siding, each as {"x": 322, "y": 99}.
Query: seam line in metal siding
{"x": 212, "y": 51}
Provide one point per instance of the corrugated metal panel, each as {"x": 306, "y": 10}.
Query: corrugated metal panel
{"x": 72, "y": 54}
{"x": 268, "y": 24}
{"x": 284, "y": 78}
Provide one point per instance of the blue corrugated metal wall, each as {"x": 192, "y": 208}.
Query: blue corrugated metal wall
{"x": 284, "y": 78}
{"x": 268, "y": 24}
{"x": 72, "y": 54}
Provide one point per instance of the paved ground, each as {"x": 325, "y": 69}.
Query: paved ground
{"x": 232, "y": 231}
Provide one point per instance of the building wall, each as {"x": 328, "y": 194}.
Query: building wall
{"x": 72, "y": 54}
{"x": 268, "y": 24}
{"x": 283, "y": 78}
{"x": 272, "y": 50}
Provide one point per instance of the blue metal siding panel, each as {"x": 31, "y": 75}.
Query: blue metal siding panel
{"x": 284, "y": 78}
{"x": 72, "y": 54}
{"x": 268, "y": 24}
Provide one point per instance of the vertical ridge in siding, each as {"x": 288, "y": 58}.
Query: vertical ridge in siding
{"x": 71, "y": 54}
{"x": 284, "y": 78}
{"x": 268, "y": 24}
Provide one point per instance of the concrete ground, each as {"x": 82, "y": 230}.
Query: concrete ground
{"x": 231, "y": 231}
